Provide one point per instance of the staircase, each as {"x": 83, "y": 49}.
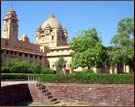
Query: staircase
{"x": 39, "y": 92}
{"x": 44, "y": 90}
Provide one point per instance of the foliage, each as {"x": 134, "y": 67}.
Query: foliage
{"x": 89, "y": 78}
{"x": 35, "y": 68}
{"x": 5, "y": 70}
{"x": 86, "y": 71}
{"x": 88, "y": 50}
{"x": 123, "y": 43}
{"x": 15, "y": 76}
{"x": 47, "y": 71}
{"x": 61, "y": 63}
{"x": 19, "y": 66}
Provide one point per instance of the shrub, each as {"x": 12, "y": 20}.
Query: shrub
{"x": 35, "y": 68}
{"x": 19, "y": 66}
{"x": 5, "y": 70}
{"x": 47, "y": 71}
{"x": 89, "y": 78}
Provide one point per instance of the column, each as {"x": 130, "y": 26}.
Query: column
{"x": 110, "y": 70}
{"x": 115, "y": 69}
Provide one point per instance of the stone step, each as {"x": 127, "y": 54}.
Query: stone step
{"x": 41, "y": 88}
{"x": 56, "y": 102}
{"x": 53, "y": 99}
{"x": 47, "y": 93}
{"x": 44, "y": 91}
{"x": 50, "y": 96}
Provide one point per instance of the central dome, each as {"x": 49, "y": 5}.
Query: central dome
{"x": 52, "y": 22}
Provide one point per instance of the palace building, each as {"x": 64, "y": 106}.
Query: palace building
{"x": 50, "y": 45}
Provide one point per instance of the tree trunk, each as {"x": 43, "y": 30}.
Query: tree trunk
{"x": 89, "y": 67}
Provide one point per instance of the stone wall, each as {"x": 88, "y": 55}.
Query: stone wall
{"x": 94, "y": 94}
{"x": 14, "y": 95}
{"x": 87, "y": 94}
{"x": 21, "y": 45}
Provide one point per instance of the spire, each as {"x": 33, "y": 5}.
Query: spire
{"x": 52, "y": 15}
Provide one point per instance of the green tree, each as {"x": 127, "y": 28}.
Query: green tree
{"x": 123, "y": 43}
{"x": 35, "y": 68}
{"x": 61, "y": 63}
{"x": 87, "y": 50}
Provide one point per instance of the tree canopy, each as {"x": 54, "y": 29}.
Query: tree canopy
{"x": 123, "y": 43}
{"x": 87, "y": 50}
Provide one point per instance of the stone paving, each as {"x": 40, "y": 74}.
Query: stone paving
{"x": 6, "y": 83}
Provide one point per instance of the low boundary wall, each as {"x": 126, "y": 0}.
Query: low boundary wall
{"x": 94, "y": 94}
{"x": 89, "y": 94}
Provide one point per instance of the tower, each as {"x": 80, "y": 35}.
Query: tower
{"x": 51, "y": 33}
{"x": 10, "y": 26}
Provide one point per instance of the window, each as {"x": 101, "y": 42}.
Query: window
{"x": 20, "y": 54}
{"x": 7, "y": 51}
{"x": 52, "y": 37}
{"x": 40, "y": 57}
{"x": 14, "y": 53}
{"x": 35, "y": 56}
{"x": 11, "y": 52}
{"x": 26, "y": 55}
{"x": 31, "y": 55}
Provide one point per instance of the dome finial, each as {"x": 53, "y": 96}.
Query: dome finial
{"x": 11, "y": 9}
{"x": 52, "y": 15}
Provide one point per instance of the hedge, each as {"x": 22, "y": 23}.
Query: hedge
{"x": 89, "y": 78}
{"x": 16, "y": 76}
{"x": 76, "y": 78}
{"x": 47, "y": 71}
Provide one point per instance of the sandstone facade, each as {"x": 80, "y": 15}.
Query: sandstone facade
{"x": 51, "y": 43}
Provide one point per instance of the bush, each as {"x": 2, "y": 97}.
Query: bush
{"x": 47, "y": 71}
{"x": 18, "y": 66}
{"x": 5, "y": 70}
{"x": 35, "y": 68}
{"x": 89, "y": 78}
